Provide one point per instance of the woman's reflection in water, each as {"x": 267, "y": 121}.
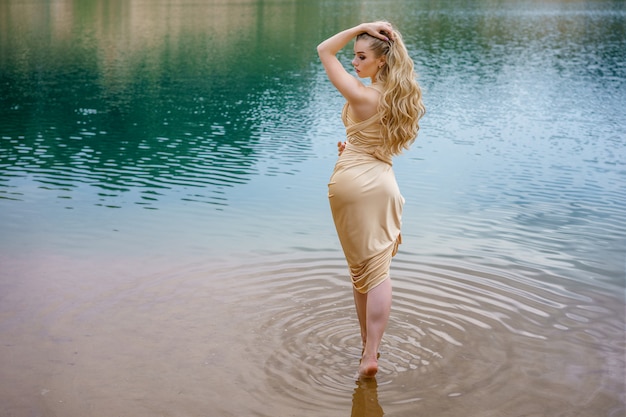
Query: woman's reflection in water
{"x": 365, "y": 399}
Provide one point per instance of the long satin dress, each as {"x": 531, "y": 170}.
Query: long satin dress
{"x": 366, "y": 203}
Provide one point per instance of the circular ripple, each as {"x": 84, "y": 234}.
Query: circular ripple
{"x": 455, "y": 328}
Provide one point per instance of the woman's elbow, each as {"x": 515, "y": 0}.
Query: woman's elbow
{"x": 320, "y": 49}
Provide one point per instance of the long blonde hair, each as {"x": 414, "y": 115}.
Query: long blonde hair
{"x": 401, "y": 105}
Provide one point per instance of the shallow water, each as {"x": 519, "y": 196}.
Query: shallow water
{"x": 166, "y": 246}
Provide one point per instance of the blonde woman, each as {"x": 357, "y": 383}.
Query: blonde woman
{"x": 381, "y": 119}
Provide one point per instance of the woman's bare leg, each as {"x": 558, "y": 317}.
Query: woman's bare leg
{"x": 360, "y": 302}
{"x": 378, "y": 308}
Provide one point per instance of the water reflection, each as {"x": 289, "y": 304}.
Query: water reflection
{"x": 365, "y": 399}
{"x": 125, "y": 97}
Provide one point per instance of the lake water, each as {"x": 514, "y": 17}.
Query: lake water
{"x": 166, "y": 245}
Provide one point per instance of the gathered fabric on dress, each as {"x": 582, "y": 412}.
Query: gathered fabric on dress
{"x": 365, "y": 202}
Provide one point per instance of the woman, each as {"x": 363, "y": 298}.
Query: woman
{"x": 381, "y": 120}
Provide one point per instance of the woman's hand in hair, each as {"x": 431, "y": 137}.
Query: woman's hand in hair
{"x": 381, "y": 29}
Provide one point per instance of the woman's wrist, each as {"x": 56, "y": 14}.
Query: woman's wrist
{"x": 338, "y": 41}
{"x": 360, "y": 28}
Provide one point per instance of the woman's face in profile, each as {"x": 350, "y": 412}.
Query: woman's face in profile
{"x": 365, "y": 62}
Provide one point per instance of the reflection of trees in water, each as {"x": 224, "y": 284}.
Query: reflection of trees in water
{"x": 365, "y": 399}
{"x": 171, "y": 95}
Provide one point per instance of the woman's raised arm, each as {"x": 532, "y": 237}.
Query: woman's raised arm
{"x": 349, "y": 86}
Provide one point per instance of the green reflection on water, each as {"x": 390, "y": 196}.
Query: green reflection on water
{"x": 121, "y": 94}
{"x": 151, "y": 96}
{"x": 147, "y": 103}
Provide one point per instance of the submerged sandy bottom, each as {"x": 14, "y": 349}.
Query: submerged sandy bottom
{"x": 275, "y": 335}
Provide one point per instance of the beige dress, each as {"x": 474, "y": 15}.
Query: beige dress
{"x": 366, "y": 203}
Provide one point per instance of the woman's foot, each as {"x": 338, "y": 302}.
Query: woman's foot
{"x": 368, "y": 367}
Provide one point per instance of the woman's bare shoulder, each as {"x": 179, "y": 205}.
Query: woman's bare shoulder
{"x": 367, "y": 106}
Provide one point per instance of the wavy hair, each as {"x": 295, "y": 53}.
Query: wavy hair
{"x": 401, "y": 105}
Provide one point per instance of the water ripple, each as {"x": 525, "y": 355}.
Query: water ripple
{"x": 476, "y": 326}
